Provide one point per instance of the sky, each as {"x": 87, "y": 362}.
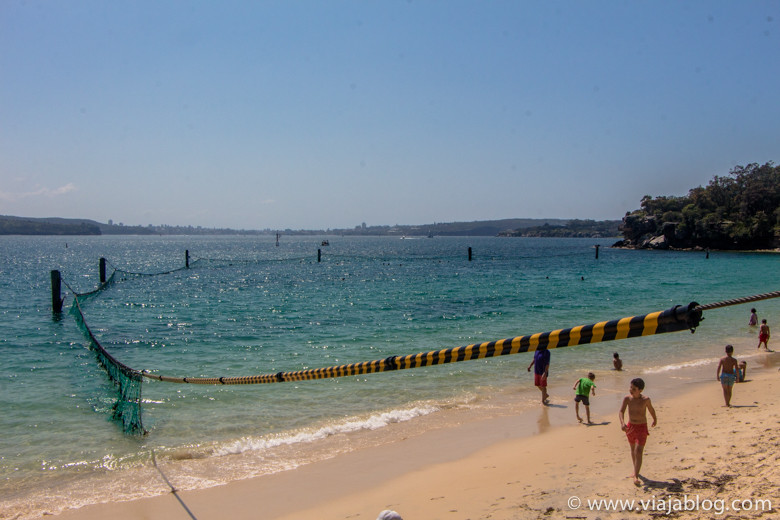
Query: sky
{"x": 322, "y": 115}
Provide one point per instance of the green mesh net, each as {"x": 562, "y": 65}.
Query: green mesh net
{"x": 127, "y": 408}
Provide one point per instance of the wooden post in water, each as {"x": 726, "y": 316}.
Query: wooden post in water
{"x": 56, "y": 287}
{"x": 469, "y": 253}
{"x": 187, "y": 258}
{"x": 319, "y": 255}
{"x": 708, "y": 253}
{"x": 597, "y": 251}
{"x": 102, "y": 271}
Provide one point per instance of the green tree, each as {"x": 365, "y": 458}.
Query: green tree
{"x": 741, "y": 210}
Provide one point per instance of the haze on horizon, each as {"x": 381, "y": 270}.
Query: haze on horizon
{"x": 311, "y": 115}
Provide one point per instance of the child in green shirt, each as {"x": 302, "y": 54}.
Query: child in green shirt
{"x": 584, "y": 387}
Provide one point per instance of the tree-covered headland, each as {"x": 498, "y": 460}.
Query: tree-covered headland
{"x": 737, "y": 211}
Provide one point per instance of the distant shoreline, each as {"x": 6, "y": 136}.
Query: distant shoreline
{"x": 12, "y": 225}
{"x": 697, "y": 249}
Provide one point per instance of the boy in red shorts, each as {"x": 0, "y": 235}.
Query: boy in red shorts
{"x": 541, "y": 364}
{"x": 636, "y": 428}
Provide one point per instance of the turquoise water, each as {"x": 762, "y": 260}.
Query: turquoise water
{"x": 248, "y": 307}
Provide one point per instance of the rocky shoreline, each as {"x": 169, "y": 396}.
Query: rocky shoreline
{"x": 648, "y": 232}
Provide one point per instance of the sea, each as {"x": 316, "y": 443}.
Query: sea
{"x": 249, "y": 305}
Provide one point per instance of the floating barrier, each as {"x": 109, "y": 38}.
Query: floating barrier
{"x": 675, "y": 319}
{"x": 127, "y": 408}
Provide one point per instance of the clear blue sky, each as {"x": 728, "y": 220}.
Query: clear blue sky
{"x": 312, "y": 114}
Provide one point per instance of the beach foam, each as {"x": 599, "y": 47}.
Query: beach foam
{"x": 372, "y": 422}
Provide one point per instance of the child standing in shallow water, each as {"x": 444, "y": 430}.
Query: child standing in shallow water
{"x": 636, "y": 428}
{"x": 763, "y": 335}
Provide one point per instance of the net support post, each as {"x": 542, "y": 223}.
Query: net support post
{"x": 186, "y": 258}
{"x": 319, "y": 255}
{"x": 56, "y": 289}
{"x": 102, "y": 271}
{"x": 469, "y": 253}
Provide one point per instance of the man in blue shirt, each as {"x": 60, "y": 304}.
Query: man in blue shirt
{"x": 541, "y": 364}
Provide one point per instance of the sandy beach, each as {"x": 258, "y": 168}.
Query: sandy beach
{"x": 703, "y": 460}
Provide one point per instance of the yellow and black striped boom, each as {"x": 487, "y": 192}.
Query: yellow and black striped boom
{"x": 671, "y": 320}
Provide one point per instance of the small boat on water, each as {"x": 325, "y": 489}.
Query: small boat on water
{"x": 325, "y": 243}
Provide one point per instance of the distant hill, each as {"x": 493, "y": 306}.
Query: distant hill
{"x": 52, "y": 226}
{"x": 571, "y": 229}
{"x": 10, "y": 225}
{"x": 488, "y": 228}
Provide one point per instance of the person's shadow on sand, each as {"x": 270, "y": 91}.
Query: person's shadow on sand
{"x": 602, "y": 423}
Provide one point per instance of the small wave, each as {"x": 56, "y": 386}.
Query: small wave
{"x": 372, "y": 422}
{"x": 679, "y": 366}
{"x": 750, "y": 355}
